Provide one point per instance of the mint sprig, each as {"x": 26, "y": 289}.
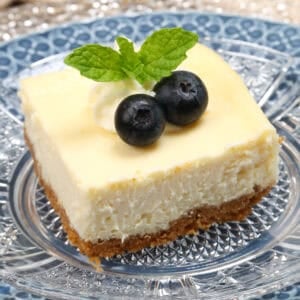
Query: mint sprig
{"x": 130, "y": 61}
{"x": 158, "y": 56}
{"x": 97, "y": 62}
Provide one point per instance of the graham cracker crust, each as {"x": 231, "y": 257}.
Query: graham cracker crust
{"x": 199, "y": 218}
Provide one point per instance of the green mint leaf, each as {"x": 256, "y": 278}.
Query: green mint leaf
{"x": 97, "y": 62}
{"x": 159, "y": 55}
{"x": 131, "y": 63}
{"x": 163, "y": 51}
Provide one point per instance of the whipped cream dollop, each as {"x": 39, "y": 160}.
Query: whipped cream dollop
{"x": 105, "y": 97}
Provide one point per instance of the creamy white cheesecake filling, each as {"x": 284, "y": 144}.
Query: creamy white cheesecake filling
{"x": 138, "y": 207}
{"x": 112, "y": 190}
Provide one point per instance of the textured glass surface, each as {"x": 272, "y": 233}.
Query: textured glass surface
{"x": 241, "y": 258}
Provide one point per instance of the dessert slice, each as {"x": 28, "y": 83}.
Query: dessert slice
{"x": 113, "y": 197}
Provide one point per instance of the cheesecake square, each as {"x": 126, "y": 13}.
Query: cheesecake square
{"x": 113, "y": 197}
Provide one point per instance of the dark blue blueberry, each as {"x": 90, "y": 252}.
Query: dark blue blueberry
{"x": 139, "y": 120}
{"x": 183, "y": 97}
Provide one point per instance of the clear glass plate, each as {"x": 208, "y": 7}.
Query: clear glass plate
{"x": 244, "y": 258}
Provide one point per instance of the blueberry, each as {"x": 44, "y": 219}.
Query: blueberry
{"x": 139, "y": 120}
{"x": 183, "y": 97}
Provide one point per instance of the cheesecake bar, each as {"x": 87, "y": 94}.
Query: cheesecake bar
{"x": 113, "y": 197}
